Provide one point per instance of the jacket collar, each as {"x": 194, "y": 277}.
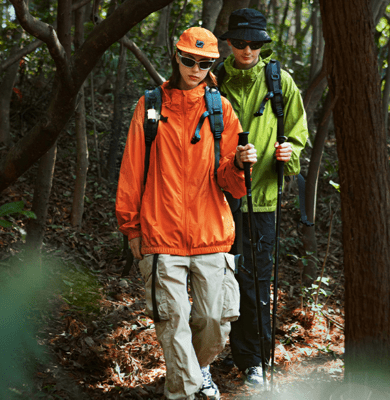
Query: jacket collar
{"x": 173, "y": 98}
{"x": 246, "y": 75}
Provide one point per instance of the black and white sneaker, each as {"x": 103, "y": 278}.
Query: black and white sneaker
{"x": 209, "y": 390}
{"x": 254, "y": 376}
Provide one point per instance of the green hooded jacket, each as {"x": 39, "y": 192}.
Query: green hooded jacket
{"x": 246, "y": 89}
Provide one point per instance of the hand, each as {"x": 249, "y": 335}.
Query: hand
{"x": 246, "y": 153}
{"x": 135, "y": 247}
{"x": 283, "y": 151}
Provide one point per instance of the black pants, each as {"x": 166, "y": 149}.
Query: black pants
{"x": 244, "y": 338}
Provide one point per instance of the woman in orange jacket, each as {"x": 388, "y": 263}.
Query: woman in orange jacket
{"x": 179, "y": 223}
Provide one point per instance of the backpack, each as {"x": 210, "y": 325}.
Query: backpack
{"x": 153, "y": 103}
{"x": 275, "y": 94}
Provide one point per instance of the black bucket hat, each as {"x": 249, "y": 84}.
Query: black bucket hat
{"x": 247, "y": 24}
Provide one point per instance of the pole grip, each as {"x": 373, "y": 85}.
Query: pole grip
{"x": 280, "y": 164}
{"x": 243, "y": 141}
{"x": 243, "y": 138}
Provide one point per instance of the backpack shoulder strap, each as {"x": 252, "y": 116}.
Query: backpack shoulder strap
{"x": 274, "y": 87}
{"x": 214, "y": 112}
{"x": 220, "y": 73}
{"x": 153, "y": 102}
{"x": 274, "y": 84}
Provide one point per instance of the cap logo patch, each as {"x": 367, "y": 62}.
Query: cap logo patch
{"x": 199, "y": 43}
{"x": 242, "y": 23}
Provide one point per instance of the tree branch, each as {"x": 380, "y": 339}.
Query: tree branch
{"x": 80, "y": 4}
{"x": 46, "y": 33}
{"x": 62, "y": 105}
{"x": 143, "y": 60}
{"x": 20, "y": 54}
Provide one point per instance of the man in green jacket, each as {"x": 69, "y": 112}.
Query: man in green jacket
{"x": 244, "y": 84}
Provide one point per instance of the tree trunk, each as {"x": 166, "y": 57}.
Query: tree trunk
{"x": 6, "y": 89}
{"x": 210, "y": 12}
{"x": 81, "y": 136}
{"x": 163, "y": 31}
{"x": 117, "y": 117}
{"x": 260, "y": 5}
{"x": 313, "y": 94}
{"x": 70, "y": 75}
{"x": 354, "y": 81}
{"x": 42, "y": 188}
{"x": 298, "y": 31}
{"x": 274, "y": 11}
{"x": 44, "y": 178}
{"x": 283, "y": 28}
{"x": 317, "y": 48}
{"x": 308, "y": 232}
{"x": 386, "y": 93}
{"x": 221, "y": 25}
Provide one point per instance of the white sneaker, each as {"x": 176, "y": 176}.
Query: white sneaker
{"x": 209, "y": 390}
{"x": 254, "y": 376}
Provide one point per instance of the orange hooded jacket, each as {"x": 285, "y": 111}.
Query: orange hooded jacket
{"x": 181, "y": 210}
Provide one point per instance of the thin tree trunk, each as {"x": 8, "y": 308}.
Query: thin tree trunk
{"x": 44, "y": 178}
{"x": 6, "y": 88}
{"x": 283, "y": 24}
{"x": 81, "y": 136}
{"x": 298, "y": 31}
{"x": 386, "y": 93}
{"x": 162, "y": 33}
{"x": 118, "y": 115}
{"x": 314, "y": 93}
{"x": 315, "y": 47}
{"x": 42, "y": 188}
{"x": 308, "y": 232}
{"x": 95, "y": 138}
{"x": 274, "y": 11}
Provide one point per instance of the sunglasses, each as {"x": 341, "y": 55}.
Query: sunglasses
{"x": 189, "y": 62}
{"x": 241, "y": 44}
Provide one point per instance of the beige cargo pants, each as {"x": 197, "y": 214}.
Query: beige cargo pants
{"x": 191, "y": 336}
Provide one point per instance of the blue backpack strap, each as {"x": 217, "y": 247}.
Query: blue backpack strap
{"x": 153, "y": 102}
{"x": 215, "y": 114}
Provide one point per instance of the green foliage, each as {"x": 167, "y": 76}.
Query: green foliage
{"x": 31, "y": 289}
{"x": 10, "y": 209}
{"x": 80, "y": 289}
{"x": 22, "y": 284}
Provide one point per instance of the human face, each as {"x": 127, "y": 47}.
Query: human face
{"x": 190, "y": 77}
{"x": 245, "y": 58}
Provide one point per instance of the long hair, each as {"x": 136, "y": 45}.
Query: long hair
{"x": 174, "y": 79}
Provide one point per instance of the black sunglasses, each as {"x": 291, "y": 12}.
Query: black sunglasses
{"x": 241, "y": 44}
{"x": 189, "y": 62}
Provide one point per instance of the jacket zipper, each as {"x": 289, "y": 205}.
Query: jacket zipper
{"x": 183, "y": 158}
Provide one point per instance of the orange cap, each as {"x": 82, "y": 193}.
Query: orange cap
{"x": 199, "y": 41}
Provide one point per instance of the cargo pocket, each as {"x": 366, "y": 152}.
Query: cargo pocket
{"x": 146, "y": 268}
{"x": 231, "y": 293}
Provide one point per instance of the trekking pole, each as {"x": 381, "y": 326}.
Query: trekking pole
{"x": 280, "y": 171}
{"x": 243, "y": 140}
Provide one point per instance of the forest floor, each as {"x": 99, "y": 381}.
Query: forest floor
{"x": 77, "y": 330}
